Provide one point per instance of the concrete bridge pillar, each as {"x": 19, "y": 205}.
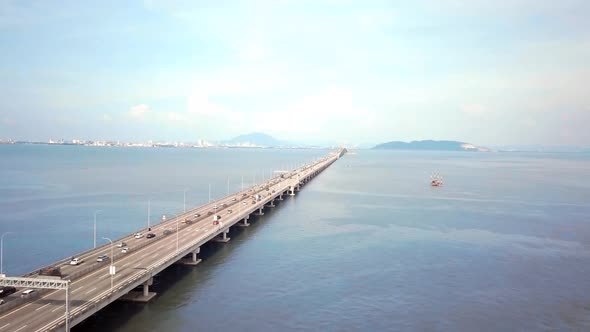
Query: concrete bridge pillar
{"x": 244, "y": 222}
{"x": 223, "y": 236}
{"x": 280, "y": 197}
{"x": 292, "y": 190}
{"x": 194, "y": 254}
{"x": 272, "y": 203}
{"x": 142, "y": 296}
{"x": 146, "y": 288}
{"x": 260, "y": 213}
{"x": 192, "y": 260}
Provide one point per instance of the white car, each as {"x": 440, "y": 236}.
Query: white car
{"x": 125, "y": 250}
{"x": 121, "y": 244}
{"x": 76, "y": 261}
{"x": 138, "y": 235}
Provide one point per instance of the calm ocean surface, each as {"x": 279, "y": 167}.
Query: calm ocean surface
{"x": 366, "y": 246}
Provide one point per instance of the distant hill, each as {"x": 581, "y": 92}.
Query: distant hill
{"x": 256, "y": 140}
{"x": 430, "y": 145}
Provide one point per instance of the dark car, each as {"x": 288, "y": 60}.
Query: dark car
{"x": 6, "y": 290}
{"x": 150, "y": 235}
{"x": 167, "y": 232}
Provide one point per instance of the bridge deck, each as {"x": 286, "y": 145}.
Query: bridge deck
{"x": 90, "y": 286}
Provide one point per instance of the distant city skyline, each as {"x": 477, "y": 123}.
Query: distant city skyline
{"x": 315, "y": 72}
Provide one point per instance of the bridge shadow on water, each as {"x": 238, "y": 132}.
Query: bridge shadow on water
{"x": 178, "y": 279}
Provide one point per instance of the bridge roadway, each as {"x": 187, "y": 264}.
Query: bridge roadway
{"x": 90, "y": 286}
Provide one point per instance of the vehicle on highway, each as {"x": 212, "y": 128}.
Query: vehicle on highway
{"x": 229, "y": 211}
{"x": 27, "y": 293}
{"x": 121, "y": 244}
{"x": 209, "y": 213}
{"x": 1, "y": 302}
{"x": 125, "y": 250}
{"x": 216, "y": 217}
{"x": 196, "y": 215}
{"x": 253, "y": 202}
{"x": 150, "y": 235}
{"x": 6, "y": 290}
{"x": 138, "y": 235}
{"x": 244, "y": 203}
{"x": 102, "y": 258}
{"x": 76, "y": 261}
{"x": 223, "y": 205}
{"x": 167, "y": 232}
{"x": 233, "y": 199}
{"x": 50, "y": 271}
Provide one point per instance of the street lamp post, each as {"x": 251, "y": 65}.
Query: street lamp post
{"x": 112, "y": 267}
{"x": 149, "y": 212}
{"x": 95, "y": 212}
{"x": 177, "y": 229}
{"x": 2, "y": 251}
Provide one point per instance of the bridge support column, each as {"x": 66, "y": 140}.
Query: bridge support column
{"x": 272, "y": 203}
{"x": 146, "y": 288}
{"x": 223, "y": 236}
{"x": 292, "y": 190}
{"x": 244, "y": 222}
{"x": 280, "y": 197}
{"x": 142, "y": 296}
{"x": 191, "y": 261}
{"x": 260, "y": 213}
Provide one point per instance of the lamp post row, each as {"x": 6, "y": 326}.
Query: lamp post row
{"x": 96, "y": 212}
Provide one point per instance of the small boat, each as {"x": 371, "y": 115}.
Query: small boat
{"x": 436, "y": 180}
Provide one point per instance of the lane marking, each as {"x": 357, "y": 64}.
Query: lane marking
{"x": 90, "y": 291}
{"x": 56, "y": 309}
{"x": 77, "y": 289}
{"x": 4, "y": 326}
{"x": 20, "y": 328}
{"x": 42, "y": 307}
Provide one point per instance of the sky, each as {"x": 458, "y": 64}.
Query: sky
{"x": 337, "y": 71}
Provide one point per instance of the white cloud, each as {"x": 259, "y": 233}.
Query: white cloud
{"x": 474, "y": 109}
{"x": 175, "y": 117}
{"x": 139, "y": 111}
{"x": 198, "y": 103}
{"x": 253, "y": 51}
